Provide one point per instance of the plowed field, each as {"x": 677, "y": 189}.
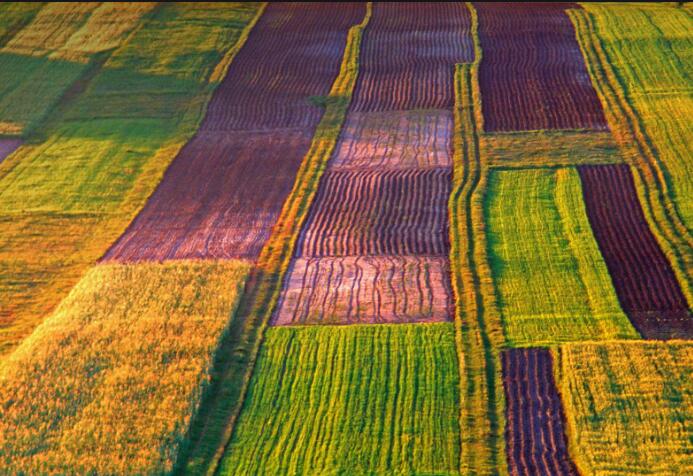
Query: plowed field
{"x": 644, "y": 281}
{"x": 378, "y": 213}
{"x": 535, "y": 430}
{"x": 353, "y": 290}
{"x": 533, "y": 75}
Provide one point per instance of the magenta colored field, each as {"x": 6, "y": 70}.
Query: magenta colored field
{"x": 534, "y": 432}
{"x": 363, "y": 290}
{"x": 7, "y": 146}
{"x": 222, "y": 194}
{"x": 399, "y": 139}
{"x": 532, "y": 75}
{"x": 644, "y": 281}
{"x": 408, "y": 56}
{"x": 393, "y": 212}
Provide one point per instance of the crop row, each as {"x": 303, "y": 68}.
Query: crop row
{"x": 363, "y": 289}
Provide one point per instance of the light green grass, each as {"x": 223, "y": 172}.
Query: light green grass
{"x": 379, "y": 399}
{"x": 552, "y": 283}
{"x": 628, "y": 406}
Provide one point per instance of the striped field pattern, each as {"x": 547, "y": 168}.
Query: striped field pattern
{"x": 644, "y": 281}
{"x": 399, "y": 139}
{"x": 532, "y": 75}
{"x": 351, "y": 400}
{"x": 393, "y": 212}
{"x": 408, "y": 54}
{"x": 535, "y": 429}
{"x": 365, "y": 289}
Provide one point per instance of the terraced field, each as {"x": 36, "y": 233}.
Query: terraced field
{"x": 345, "y": 238}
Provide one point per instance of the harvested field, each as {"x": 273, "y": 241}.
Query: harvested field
{"x": 551, "y": 281}
{"x": 408, "y": 56}
{"x": 392, "y": 212}
{"x": 628, "y": 406}
{"x": 109, "y": 382}
{"x": 351, "y": 400}
{"x": 292, "y": 54}
{"x": 550, "y": 149}
{"x": 533, "y": 75}
{"x": 7, "y": 146}
{"x": 535, "y": 433}
{"x": 401, "y": 139}
{"x": 362, "y": 290}
{"x": 208, "y": 206}
{"x": 643, "y": 278}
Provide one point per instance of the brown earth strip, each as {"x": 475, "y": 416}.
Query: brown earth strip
{"x": 408, "y": 56}
{"x": 533, "y": 75}
{"x": 392, "y": 212}
{"x": 643, "y": 278}
{"x": 536, "y": 442}
{"x": 7, "y": 146}
{"x": 365, "y": 290}
{"x": 223, "y": 192}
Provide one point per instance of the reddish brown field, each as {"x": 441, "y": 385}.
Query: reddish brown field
{"x": 408, "y": 56}
{"x": 222, "y": 194}
{"x": 534, "y": 432}
{"x": 645, "y": 283}
{"x": 362, "y": 290}
{"x": 218, "y": 199}
{"x": 293, "y": 52}
{"x": 392, "y": 212}
{"x": 532, "y": 75}
{"x": 7, "y": 146}
{"x": 400, "y": 139}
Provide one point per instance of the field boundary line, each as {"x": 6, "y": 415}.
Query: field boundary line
{"x": 478, "y": 332}
{"x": 238, "y": 353}
{"x": 649, "y": 174}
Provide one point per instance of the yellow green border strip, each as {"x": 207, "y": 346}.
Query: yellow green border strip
{"x": 238, "y": 353}
{"x": 478, "y": 330}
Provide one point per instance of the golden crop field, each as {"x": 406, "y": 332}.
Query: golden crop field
{"x": 109, "y": 382}
{"x": 628, "y": 406}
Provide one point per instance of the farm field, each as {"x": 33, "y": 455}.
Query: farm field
{"x": 346, "y": 238}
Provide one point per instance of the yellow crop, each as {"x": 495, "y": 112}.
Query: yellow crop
{"x": 108, "y": 383}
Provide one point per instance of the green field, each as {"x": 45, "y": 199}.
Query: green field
{"x": 351, "y": 400}
{"x": 551, "y": 281}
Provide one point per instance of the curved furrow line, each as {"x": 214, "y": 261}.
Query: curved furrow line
{"x": 643, "y": 278}
{"x": 384, "y": 288}
{"x": 535, "y": 435}
{"x": 533, "y": 75}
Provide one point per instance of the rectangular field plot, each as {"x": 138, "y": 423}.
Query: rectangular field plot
{"x": 535, "y": 434}
{"x": 293, "y": 52}
{"x": 552, "y": 284}
{"x": 393, "y": 212}
{"x": 356, "y": 289}
{"x": 629, "y": 406}
{"x": 351, "y": 400}
{"x": 645, "y": 283}
{"x": 109, "y": 382}
{"x": 400, "y": 139}
{"x": 533, "y": 75}
{"x": 219, "y": 198}
{"x": 408, "y": 55}
{"x": 550, "y": 149}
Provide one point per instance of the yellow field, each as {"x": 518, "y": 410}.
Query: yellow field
{"x": 109, "y": 382}
{"x": 628, "y": 406}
